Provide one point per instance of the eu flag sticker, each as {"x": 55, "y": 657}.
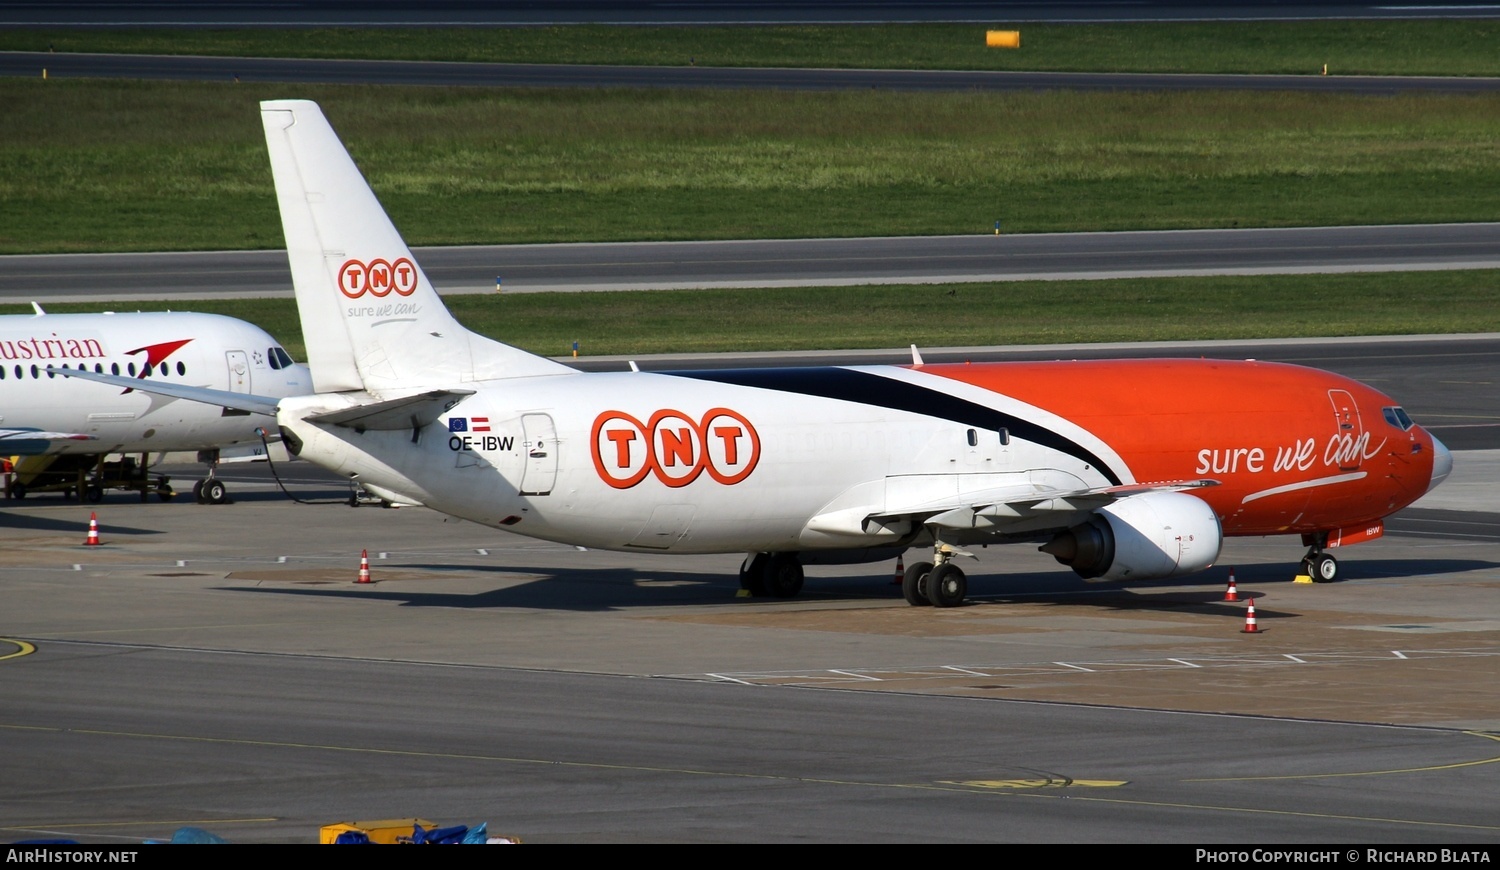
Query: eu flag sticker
{"x": 458, "y": 424}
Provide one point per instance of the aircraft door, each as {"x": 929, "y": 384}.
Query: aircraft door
{"x": 541, "y": 454}
{"x": 239, "y": 371}
{"x": 1349, "y": 448}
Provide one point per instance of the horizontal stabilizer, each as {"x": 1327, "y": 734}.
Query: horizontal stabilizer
{"x": 223, "y": 398}
{"x": 34, "y": 442}
{"x": 408, "y": 412}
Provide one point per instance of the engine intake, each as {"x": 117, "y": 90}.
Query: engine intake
{"x": 1142, "y": 537}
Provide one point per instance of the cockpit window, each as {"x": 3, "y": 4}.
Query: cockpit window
{"x": 1397, "y": 417}
{"x": 280, "y": 359}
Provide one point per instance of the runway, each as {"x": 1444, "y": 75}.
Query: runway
{"x": 508, "y": 75}
{"x": 784, "y": 262}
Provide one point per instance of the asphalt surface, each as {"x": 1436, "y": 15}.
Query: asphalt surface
{"x": 219, "y": 667}
{"x": 784, "y": 262}
{"x": 394, "y": 72}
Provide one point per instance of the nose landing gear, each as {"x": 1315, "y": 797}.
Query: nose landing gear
{"x": 1318, "y": 564}
{"x": 210, "y": 490}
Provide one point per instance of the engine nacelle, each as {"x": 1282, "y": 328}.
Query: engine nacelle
{"x": 1142, "y": 537}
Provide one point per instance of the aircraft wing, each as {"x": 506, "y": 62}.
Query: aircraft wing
{"x": 223, "y": 398}
{"x": 408, "y": 411}
{"x": 1017, "y": 507}
{"x": 1012, "y": 504}
{"x": 34, "y": 442}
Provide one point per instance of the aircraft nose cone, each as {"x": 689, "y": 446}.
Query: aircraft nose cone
{"x": 1442, "y": 464}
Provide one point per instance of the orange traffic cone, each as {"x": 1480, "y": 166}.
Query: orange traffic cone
{"x": 900, "y": 571}
{"x": 93, "y": 539}
{"x": 364, "y": 567}
{"x": 1231, "y": 594}
{"x": 1250, "y": 620}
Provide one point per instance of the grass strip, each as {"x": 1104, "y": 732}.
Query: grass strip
{"x": 121, "y": 166}
{"x": 1426, "y": 47}
{"x": 941, "y": 315}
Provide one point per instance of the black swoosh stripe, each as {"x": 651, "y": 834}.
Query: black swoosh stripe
{"x": 870, "y": 389}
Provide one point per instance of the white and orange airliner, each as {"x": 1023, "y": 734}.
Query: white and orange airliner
{"x": 1122, "y": 470}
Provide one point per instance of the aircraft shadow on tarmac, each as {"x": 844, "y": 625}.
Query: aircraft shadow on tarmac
{"x": 614, "y": 588}
{"x": 16, "y": 522}
{"x": 300, "y": 494}
{"x": 586, "y": 589}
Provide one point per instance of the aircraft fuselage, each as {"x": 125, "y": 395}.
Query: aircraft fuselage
{"x": 802, "y": 459}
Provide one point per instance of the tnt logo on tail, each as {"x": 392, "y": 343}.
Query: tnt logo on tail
{"x": 378, "y": 277}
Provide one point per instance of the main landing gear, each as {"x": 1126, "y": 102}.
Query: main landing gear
{"x": 774, "y": 575}
{"x": 1317, "y": 564}
{"x": 939, "y": 583}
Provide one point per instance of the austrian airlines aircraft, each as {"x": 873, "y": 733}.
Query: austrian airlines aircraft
{"x": 80, "y": 423}
{"x": 1123, "y": 470}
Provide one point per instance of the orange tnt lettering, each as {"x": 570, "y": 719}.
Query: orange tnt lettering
{"x": 730, "y": 435}
{"x": 676, "y": 447}
{"x": 622, "y": 439}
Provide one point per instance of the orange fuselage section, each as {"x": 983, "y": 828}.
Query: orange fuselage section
{"x": 1293, "y": 449}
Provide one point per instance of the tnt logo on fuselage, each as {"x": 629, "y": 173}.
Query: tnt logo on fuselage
{"x": 378, "y": 277}
{"x": 674, "y": 447}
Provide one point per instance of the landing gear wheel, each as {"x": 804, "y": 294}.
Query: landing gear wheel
{"x": 1323, "y": 568}
{"x": 198, "y": 491}
{"x": 215, "y": 492}
{"x": 93, "y": 493}
{"x": 783, "y": 576}
{"x": 947, "y": 585}
{"x": 753, "y": 575}
{"x": 914, "y": 584}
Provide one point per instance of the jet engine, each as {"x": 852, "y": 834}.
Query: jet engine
{"x": 1141, "y": 537}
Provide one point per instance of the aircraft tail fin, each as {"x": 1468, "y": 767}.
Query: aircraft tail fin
{"x": 370, "y": 318}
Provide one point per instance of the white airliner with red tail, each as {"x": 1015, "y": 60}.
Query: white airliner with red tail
{"x": 63, "y": 430}
{"x": 1122, "y": 470}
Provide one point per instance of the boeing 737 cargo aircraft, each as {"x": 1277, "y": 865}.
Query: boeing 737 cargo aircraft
{"x": 66, "y": 429}
{"x": 1123, "y": 470}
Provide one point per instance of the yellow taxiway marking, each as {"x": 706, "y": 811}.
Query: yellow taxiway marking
{"x": 23, "y": 649}
{"x": 941, "y": 786}
{"x": 1454, "y": 766}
